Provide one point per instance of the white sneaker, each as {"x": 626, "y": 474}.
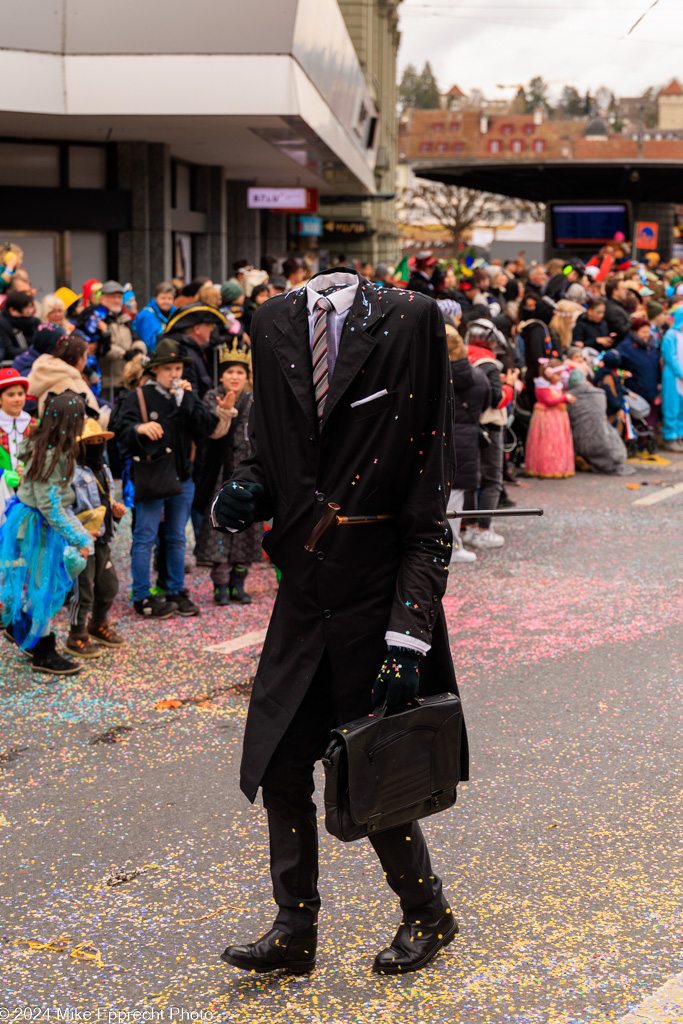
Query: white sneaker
{"x": 468, "y": 535}
{"x": 461, "y": 554}
{"x": 488, "y": 539}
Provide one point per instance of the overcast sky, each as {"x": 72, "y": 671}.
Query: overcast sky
{"x": 481, "y": 43}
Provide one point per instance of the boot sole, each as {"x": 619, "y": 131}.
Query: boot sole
{"x": 187, "y": 615}
{"x": 56, "y": 671}
{"x": 157, "y": 618}
{"x": 419, "y": 964}
{"x": 293, "y": 967}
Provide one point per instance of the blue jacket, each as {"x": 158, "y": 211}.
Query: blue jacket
{"x": 150, "y": 322}
{"x": 642, "y": 360}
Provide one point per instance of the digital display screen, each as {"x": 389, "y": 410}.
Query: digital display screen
{"x": 588, "y": 224}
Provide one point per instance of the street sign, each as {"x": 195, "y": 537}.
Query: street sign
{"x": 283, "y": 199}
{"x": 345, "y": 228}
{"x": 647, "y": 234}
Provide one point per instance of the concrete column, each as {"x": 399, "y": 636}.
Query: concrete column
{"x": 211, "y": 247}
{"x": 243, "y": 229}
{"x": 145, "y": 250}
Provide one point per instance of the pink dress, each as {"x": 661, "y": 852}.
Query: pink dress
{"x": 549, "y": 445}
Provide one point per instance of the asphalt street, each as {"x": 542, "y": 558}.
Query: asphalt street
{"x": 562, "y": 858}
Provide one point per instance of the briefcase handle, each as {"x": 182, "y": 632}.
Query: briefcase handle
{"x": 383, "y": 711}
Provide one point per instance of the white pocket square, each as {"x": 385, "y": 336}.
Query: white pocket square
{"x": 370, "y": 398}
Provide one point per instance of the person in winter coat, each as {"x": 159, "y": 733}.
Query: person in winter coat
{"x": 471, "y": 396}
{"x": 641, "y": 358}
{"x": 153, "y": 318}
{"x": 18, "y": 325}
{"x": 537, "y": 344}
{"x": 191, "y": 328}
{"x": 608, "y": 380}
{"x": 164, "y": 414}
{"x": 672, "y": 384}
{"x": 63, "y": 371}
{"x": 616, "y": 315}
{"x": 109, "y": 327}
{"x": 590, "y": 329}
{"x": 482, "y": 338}
{"x": 595, "y": 440}
{"x": 230, "y": 555}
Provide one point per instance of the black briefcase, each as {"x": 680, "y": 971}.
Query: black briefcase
{"x": 384, "y": 770}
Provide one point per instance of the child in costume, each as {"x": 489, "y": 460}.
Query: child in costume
{"x": 43, "y": 546}
{"x": 97, "y": 586}
{"x": 15, "y": 425}
{"x": 229, "y": 555}
{"x": 549, "y": 445}
{"x": 672, "y": 384}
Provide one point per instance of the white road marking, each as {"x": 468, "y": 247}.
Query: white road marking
{"x": 239, "y": 643}
{"x": 665, "y": 1006}
{"x": 663, "y": 495}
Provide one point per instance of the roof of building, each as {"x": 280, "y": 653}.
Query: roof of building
{"x": 455, "y": 90}
{"x": 673, "y": 89}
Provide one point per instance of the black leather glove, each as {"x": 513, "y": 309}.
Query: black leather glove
{"x": 399, "y": 678}
{"x": 235, "y": 506}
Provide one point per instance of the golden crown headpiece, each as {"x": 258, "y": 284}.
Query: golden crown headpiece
{"x": 235, "y": 353}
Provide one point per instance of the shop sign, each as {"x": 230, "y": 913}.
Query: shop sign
{"x": 309, "y": 227}
{"x": 284, "y": 199}
{"x": 345, "y": 228}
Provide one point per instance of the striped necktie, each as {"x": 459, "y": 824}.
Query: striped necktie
{"x": 321, "y": 377}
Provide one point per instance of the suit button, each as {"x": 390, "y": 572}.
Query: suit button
{"x": 312, "y": 440}
{"x": 320, "y": 555}
{"x": 327, "y": 614}
{"x": 320, "y": 496}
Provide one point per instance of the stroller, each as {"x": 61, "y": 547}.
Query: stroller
{"x": 643, "y": 437}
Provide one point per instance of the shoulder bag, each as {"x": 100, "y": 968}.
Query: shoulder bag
{"x": 154, "y": 478}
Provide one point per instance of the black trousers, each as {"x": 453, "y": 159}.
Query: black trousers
{"x": 491, "y": 458}
{"x": 94, "y": 590}
{"x": 287, "y": 796}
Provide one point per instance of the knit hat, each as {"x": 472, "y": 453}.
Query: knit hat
{"x": 576, "y": 377}
{"x": 9, "y": 378}
{"x": 93, "y": 285}
{"x": 653, "y": 309}
{"x": 612, "y": 359}
{"x": 231, "y": 291}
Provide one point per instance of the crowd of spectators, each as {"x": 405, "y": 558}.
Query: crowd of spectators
{"x": 555, "y": 366}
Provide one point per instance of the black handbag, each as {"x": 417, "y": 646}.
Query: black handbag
{"x": 154, "y": 478}
{"x": 386, "y": 770}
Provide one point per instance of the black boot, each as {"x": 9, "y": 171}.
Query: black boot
{"x": 237, "y": 591}
{"x": 275, "y": 950}
{"x": 415, "y": 944}
{"x": 46, "y": 659}
{"x": 221, "y": 595}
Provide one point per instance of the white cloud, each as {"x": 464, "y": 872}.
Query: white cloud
{"x": 481, "y": 44}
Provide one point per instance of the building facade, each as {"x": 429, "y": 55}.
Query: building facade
{"x": 128, "y": 145}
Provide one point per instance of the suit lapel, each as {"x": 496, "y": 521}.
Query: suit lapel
{"x": 355, "y": 344}
{"x": 293, "y": 352}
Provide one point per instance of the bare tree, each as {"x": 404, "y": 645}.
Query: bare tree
{"x": 456, "y": 208}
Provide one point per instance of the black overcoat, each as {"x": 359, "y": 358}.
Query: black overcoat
{"x": 383, "y": 446}
{"x": 471, "y": 396}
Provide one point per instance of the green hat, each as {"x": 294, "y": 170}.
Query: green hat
{"x": 231, "y": 291}
{"x": 167, "y": 351}
{"x": 653, "y": 309}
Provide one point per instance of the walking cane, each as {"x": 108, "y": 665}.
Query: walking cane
{"x": 331, "y": 518}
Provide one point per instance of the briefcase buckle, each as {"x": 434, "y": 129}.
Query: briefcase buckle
{"x": 373, "y": 822}
{"x": 436, "y": 798}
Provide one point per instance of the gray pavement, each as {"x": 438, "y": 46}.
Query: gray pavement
{"x": 562, "y": 858}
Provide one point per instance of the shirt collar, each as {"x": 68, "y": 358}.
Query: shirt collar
{"x": 341, "y": 300}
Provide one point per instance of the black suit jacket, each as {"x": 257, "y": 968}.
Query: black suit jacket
{"x": 383, "y": 446}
